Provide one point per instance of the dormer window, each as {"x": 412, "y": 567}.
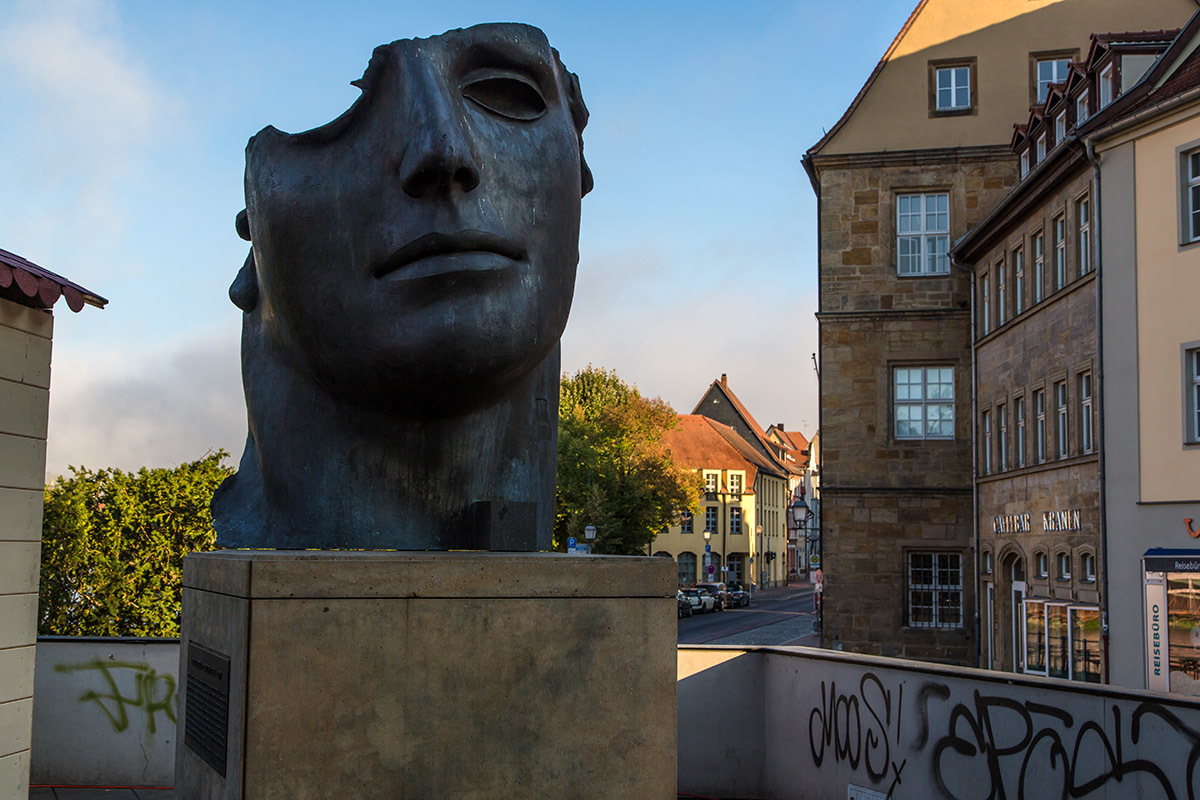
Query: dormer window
{"x": 1041, "y": 148}
{"x": 1081, "y": 108}
{"x": 1060, "y": 127}
{"x": 1106, "y": 86}
{"x": 1024, "y": 162}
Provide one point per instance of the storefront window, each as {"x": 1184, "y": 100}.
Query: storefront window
{"x": 1035, "y": 636}
{"x": 1056, "y": 636}
{"x": 1085, "y": 644}
{"x": 1183, "y": 631}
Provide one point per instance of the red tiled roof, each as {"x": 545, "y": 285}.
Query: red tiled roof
{"x": 701, "y": 443}
{"x": 26, "y": 283}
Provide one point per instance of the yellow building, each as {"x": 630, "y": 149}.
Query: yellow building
{"x": 742, "y": 510}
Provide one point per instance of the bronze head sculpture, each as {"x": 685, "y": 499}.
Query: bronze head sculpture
{"x": 411, "y": 269}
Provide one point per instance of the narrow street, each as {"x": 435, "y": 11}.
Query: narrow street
{"x": 776, "y": 617}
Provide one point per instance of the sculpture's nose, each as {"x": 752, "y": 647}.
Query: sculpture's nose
{"x": 438, "y": 159}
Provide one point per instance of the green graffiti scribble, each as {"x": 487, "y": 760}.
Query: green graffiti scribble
{"x": 154, "y": 692}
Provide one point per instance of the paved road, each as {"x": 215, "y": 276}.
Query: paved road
{"x": 782, "y": 618}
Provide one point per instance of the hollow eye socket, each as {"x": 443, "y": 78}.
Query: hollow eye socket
{"x": 505, "y": 95}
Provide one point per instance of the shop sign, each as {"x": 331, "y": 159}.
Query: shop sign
{"x": 1011, "y": 523}
{"x": 1052, "y": 521}
{"x": 1156, "y": 633}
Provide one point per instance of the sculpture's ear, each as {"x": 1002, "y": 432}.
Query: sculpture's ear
{"x": 244, "y": 289}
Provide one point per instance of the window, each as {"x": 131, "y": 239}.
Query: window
{"x": 1019, "y": 412}
{"x": 923, "y": 234}
{"x": 686, "y": 523}
{"x": 710, "y": 519}
{"x": 1060, "y": 127}
{"x": 1039, "y": 565}
{"x": 1081, "y": 108}
{"x": 1039, "y": 428}
{"x": 735, "y": 486}
{"x": 687, "y": 569}
{"x": 985, "y": 565}
{"x": 1060, "y": 423}
{"x": 1041, "y": 148}
{"x": 986, "y": 456}
{"x": 1024, "y": 162}
{"x": 1087, "y": 563}
{"x": 1085, "y": 412}
{"x": 1191, "y": 200}
{"x": 1193, "y": 394}
{"x": 735, "y": 520}
{"x": 1058, "y": 649}
{"x": 1106, "y": 86}
{"x": 1063, "y": 563}
{"x": 953, "y": 88}
{"x": 1001, "y": 295}
{"x": 1084, "y": 217}
{"x": 924, "y": 402}
{"x": 1035, "y": 636}
{"x": 1039, "y": 266}
{"x": 1050, "y": 71}
{"x": 1085, "y": 644}
{"x": 1002, "y": 424}
{"x": 1060, "y": 251}
{"x": 710, "y": 485}
{"x": 1018, "y": 280}
{"x": 935, "y": 590}
{"x": 985, "y": 303}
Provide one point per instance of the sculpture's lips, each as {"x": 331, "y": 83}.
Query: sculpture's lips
{"x": 486, "y": 245}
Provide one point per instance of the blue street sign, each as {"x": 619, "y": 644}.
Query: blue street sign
{"x": 570, "y": 542}
{"x": 708, "y": 548}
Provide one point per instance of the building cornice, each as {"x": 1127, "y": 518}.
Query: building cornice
{"x": 909, "y": 158}
{"x": 855, "y": 316}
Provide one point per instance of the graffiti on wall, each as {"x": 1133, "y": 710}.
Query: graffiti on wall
{"x": 153, "y": 693}
{"x": 998, "y": 744}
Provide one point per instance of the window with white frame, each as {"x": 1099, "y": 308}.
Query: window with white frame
{"x": 953, "y": 91}
{"x": 735, "y": 520}
{"x": 1050, "y": 70}
{"x": 935, "y": 590}
{"x": 1084, "y": 387}
{"x": 1039, "y": 266}
{"x": 923, "y": 400}
{"x": 985, "y": 304}
{"x": 1060, "y": 251}
{"x": 735, "y": 485}
{"x": 1081, "y": 108}
{"x": 985, "y": 565}
{"x": 1060, "y": 426}
{"x": 1063, "y": 565}
{"x": 687, "y": 569}
{"x": 1018, "y": 280}
{"x": 1039, "y": 425}
{"x": 1040, "y": 567}
{"x": 1192, "y": 359}
{"x": 687, "y": 523}
{"x": 1191, "y": 197}
{"x": 1083, "y": 215}
{"x": 1087, "y": 564}
{"x": 923, "y": 234}
{"x": 1002, "y": 426}
{"x": 711, "y": 480}
{"x": 1019, "y": 413}
{"x": 1001, "y": 295}
{"x": 1060, "y": 127}
{"x": 985, "y": 466}
{"x": 1107, "y": 89}
{"x": 1024, "y": 162}
{"x": 1041, "y": 148}
{"x": 710, "y": 519}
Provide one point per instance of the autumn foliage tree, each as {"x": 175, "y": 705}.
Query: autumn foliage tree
{"x": 113, "y": 544}
{"x": 615, "y": 470}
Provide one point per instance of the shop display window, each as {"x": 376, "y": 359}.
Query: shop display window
{"x": 1183, "y": 631}
{"x": 1085, "y": 644}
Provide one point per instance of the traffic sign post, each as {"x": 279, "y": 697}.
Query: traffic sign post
{"x": 711, "y": 569}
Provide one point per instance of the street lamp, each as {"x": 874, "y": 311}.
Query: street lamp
{"x": 799, "y": 511}
{"x": 707, "y": 551}
{"x": 762, "y": 559}
{"x": 589, "y": 533}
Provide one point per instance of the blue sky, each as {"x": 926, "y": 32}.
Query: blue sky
{"x": 123, "y": 144}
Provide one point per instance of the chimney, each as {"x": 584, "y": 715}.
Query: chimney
{"x": 724, "y": 379}
{"x": 779, "y": 425}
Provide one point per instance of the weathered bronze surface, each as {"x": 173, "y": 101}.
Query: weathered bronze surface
{"x": 411, "y": 269}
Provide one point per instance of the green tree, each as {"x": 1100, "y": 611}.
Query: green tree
{"x": 113, "y": 544}
{"x": 615, "y": 470}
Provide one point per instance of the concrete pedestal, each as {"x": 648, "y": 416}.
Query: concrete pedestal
{"x": 318, "y": 675}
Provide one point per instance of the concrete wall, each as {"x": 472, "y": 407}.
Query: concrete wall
{"x": 25, "y": 336}
{"x": 842, "y": 725}
{"x": 104, "y": 712}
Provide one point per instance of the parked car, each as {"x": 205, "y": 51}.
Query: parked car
{"x": 719, "y": 592}
{"x": 738, "y": 597}
{"x": 685, "y": 605}
{"x": 702, "y": 602}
